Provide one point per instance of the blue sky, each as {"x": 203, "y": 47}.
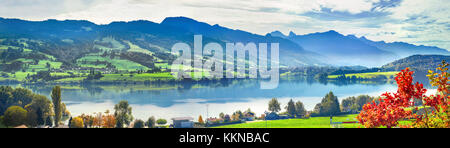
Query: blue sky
{"x": 421, "y": 22}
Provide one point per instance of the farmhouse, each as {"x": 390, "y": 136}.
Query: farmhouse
{"x": 183, "y": 122}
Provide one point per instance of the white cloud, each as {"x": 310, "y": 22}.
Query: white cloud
{"x": 351, "y": 6}
{"x": 424, "y": 22}
{"x": 259, "y": 16}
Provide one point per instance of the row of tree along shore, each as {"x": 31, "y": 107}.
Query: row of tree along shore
{"x": 22, "y": 107}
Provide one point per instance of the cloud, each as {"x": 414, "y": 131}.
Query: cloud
{"x": 424, "y": 22}
{"x": 42, "y": 9}
{"x": 416, "y": 21}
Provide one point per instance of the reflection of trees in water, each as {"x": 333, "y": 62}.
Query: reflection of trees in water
{"x": 188, "y": 84}
{"x": 93, "y": 90}
{"x": 419, "y": 76}
{"x": 39, "y": 88}
{"x": 159, "y": 87}
{"x": 353, "y": 82}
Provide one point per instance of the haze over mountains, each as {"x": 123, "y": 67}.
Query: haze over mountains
{"x": 350, "y": 50}
{"x": 71, "y": 40}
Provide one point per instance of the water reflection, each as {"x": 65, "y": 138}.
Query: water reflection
{"x": 189, "y": 98}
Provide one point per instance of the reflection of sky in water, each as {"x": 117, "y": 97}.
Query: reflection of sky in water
{"x": 193, "y": 102}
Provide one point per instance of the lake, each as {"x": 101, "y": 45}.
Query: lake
{"x": 207, "y": 99}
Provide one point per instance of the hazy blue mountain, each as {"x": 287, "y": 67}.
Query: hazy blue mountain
{"x": 277, "y": 34}
{"x": 405, "y": 49}
{"x": 70, "y": 40}
{"x": 342, "y": 50}
{"x": 291, "y": 54}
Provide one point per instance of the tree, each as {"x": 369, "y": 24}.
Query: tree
{"x": 290, "y": 108}
{"x": 22, "y": 96}
{"x": 361, "y": 100}
{"x": 139, "y": 124}
{"x": 161, "y": 121}
{"x": 15, "y": 116}
{"x": 329, "y": 105}
{"x": 65, "y": 111}
{"x": 274, "y": 105}
{"x": 300, "y": 109}
{"x": 347, "y": 103}
{"x": 123, "y": 114}
{"x": 200, "y": 120}
{"x": 38, "y": 110}
{"x": 355, "y": 104}
{"x": 109, "y": 121}
{"x": 249, "y": 113}
{"x": 226, "y": 118}
{"x": 390, "y": 107}
{"x": 221, "y": 115}
{"x": 151, "y": 122}
{"x": 88, "y": 120}
{"x": 6, "y": 98}
{"x": 98, "y": 120}
{"x": 70, "y": 121}
{"x": 56, "y": 99}
{"x": 440, "y": 117}
{"x": 237, "y": 115}
{"x": 49, "y": 121}
{"x": 77, "y": 122}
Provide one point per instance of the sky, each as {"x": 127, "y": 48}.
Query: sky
{"x": 420, "y": 22}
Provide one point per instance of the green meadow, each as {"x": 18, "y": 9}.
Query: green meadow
{"x": 313, "y": 122}
{"x": 368, "y": 75}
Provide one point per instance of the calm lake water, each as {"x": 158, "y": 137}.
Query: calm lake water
{"x": 206, "y": 99}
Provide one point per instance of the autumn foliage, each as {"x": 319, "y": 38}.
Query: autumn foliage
{"x": 98, "y": 120}
{"x": 394, "y": 107}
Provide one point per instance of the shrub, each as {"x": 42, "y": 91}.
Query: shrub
{"x": 138, "y": 124}
{"x": 161, "y": 121}
{"x": 15, "y": 116}
{"x": 150, "y": 122}
{"x": 76, "y": 122}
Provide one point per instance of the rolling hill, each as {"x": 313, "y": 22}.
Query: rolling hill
{"x": 417, "y": 63}
{"x": 79, "y": 44}
{"x": 74, "y": 46}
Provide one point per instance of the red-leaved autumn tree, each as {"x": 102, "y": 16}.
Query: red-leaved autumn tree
{"x": 393, "y": 107}
{"x": 438, "y": 105}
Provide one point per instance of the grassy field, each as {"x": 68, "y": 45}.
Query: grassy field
{"x": 137, "y": 77}
{"x": 118, "y": 63}
{"x": 313, "y": 122}
{"x": 369, "y": 75}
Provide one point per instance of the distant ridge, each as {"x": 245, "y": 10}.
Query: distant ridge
{"x": 69, "y": 40}
{"x": 417, "y": 63}
{"x": 345, "y": 50}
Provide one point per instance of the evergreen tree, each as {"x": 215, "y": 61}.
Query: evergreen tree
{"x": 290, "y": 108}
{"x": 56, "y": 99}
{"x": 300, "y": 109}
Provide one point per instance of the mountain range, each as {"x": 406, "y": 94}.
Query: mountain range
{"x": 348, "y": 50}
{"x": 146, "y": 45}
